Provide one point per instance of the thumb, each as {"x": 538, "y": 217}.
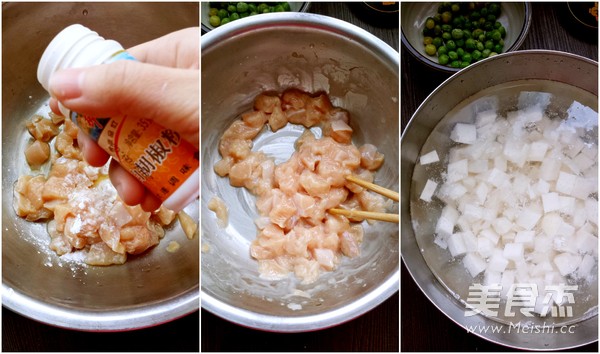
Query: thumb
{"x": 166, "y": 95}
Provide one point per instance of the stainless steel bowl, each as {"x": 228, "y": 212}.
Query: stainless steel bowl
{"x": 148, "y": 290}
{"x": 439, "y": 278}
{"x": 515, "y": 17}
{"x": 273, "y": 52}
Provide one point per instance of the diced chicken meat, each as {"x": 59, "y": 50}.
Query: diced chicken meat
{"x": 296, "y": 235}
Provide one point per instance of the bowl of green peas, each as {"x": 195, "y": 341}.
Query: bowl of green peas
{"x": 218, "y": 13}
{"x": 449, "y": 36}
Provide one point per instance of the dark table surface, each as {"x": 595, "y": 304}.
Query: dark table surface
{"x": 423, "y": 326}
{"x": 376, "y": 330}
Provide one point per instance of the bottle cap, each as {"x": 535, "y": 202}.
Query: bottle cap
{"x": 75, "y": 46}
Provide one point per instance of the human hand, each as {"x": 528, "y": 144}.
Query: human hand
{"x": 162, "y": 85}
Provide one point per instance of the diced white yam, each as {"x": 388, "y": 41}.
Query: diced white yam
{"x": 541, "y": 268}
{"x": 591, "y": 208}
{"x": 551, "y": 202}
{"x": 464, "y": 133}
{"x": 579, "y": 218}
{"x": 550, "y": 169}
{"x": 498, "y": 178}
{"x": 497, "y": 262}
{"x": 590, "y": 150}
{"x": 441, "y": 241}
{"x": 526, "y": 238}
{"x": 457, "y": 171}
{"x": 583, "y": 162}
{"x": 485, "y": 247}
{"x": 566, "y": 205}
{"x": 446, "y": 222}
{"x": 500, "y": 163}
{"x": 478, "y": 166}
{"x": 551, "y": 223}
{"x": 584, "y": 271}
{"x": 584, "y": 187}
{"x": 470, "y": 241}
{"x": 528, "y": 218}
{"x": 485, "y": 117}
{"x": 542, "y": 187}
{"x": 451, "y": 192}
{"x": 542, "y": 244}
{"x": 491, "y": 278}
{"x": 481, "y": 191}
{"x": 502, "y": 225}
{"x": 490, "y": 235}
{"x": 586, "y": 242}
{"x": 573, "y": 143}
{"x": 513, "y": 251}
{"x": 508, "y": 237}
{"x": 429, "y": 190}
{"x": 473, "y": 213}
{"x": 564, "y": 244}
{"x": 567, "y": 263}
{"x": 469, "y": 182}
{"x": 516, "y": 152}
{"x": 429, "y": 157}
{"x": 565, "y": 183}
{"x": 474, "y": 264}
{"x": 537, "y": 151}
{"x": 456, "y": 245}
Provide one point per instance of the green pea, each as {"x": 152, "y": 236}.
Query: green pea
{"x": 457, "y": 33}
{"x": 429, "y": 23}
{"x": 437, "y": 42}
{"x": 213, "y": 11}
{"x": 446, "y": 17}
{"x": 467, "y": 58}
{"x": 222, "y": 14}
{"x": 460, "y": 52}
{"x": 446, "y": 28}
{"x": 244, "y": 14}
{"x": 496, "y": 36}
{"x": 452, "y": 55}
{"x": 498, "y": 48}
{"x": 286, "y": 6}
{"x": 492, "y": 54}
{"x": 437, "y": 30}
{"x": 463, "y": 64}
{"x": 252, "y": 7}
{"x": 489, "y": 44}
{"x": 427, "y": 40}
{"x": 242, "y": 7}
{"x": 460, "y": 42}
{"x": 455, "y": 7}
{"x": 261, "y": 7}
{"x": 475, "y": 14}
{"x": 231, "y": 8}
{"x": 214, "y": 20}
{"x": 485, "y": 53}
{"x": 225, "y": 21}
{"x": 446, "y": 36}
{"x": 430, "y": 49}
{"x": 479, "y": 46}
{"x": 455, "y": 64}
{"x": 279, "y": 8}
{"x": 476, "y": 55}
{"x": 451, "y": 45}
{"x": 502, "y": 31}
{"x": 234, "y": 16}
{"x": 470, "y": 44}
{"x": 494, "y": 9}
{"x": 442, "y": 50}
{"x": 443, "y": 59}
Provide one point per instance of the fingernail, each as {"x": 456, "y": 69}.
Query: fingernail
{"x": 66, "y": 84}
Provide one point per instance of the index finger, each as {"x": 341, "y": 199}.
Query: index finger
{"x": 179, "y": 49}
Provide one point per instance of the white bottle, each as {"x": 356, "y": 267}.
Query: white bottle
{"x": 165, "y": 163}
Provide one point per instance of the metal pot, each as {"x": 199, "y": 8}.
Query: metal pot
{"x": 360, "y": 73}
{"x": 432, "y": 269}
{"x": 150, "y": 289}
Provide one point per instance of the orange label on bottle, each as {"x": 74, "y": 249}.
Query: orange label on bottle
{"x": 158, "y": 157}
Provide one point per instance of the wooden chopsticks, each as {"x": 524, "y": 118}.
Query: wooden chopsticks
{"x": 370, "y": 214}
